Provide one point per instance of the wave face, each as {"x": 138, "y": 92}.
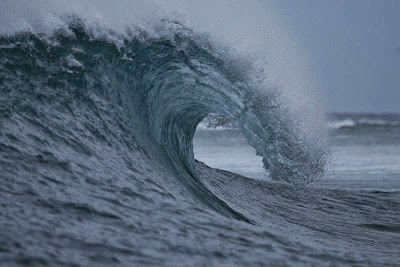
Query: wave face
{"x": 97, "y": 140}
{"x": 172, "y": 84}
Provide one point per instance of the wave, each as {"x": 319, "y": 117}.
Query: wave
{"x": 364, "y": 121}
{"x": 171, "y": 83}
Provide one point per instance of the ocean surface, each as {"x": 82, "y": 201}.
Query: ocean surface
{"x": 365, "y": 152}
{"x": 105, "y": 159}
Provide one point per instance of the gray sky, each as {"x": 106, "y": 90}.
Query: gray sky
{"x": 354, "y": 46}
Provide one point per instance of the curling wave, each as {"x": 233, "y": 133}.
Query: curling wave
{"x": 171, "y": 83}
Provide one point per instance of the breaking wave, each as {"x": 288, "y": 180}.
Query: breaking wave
{"x": 363, "y": 121}
{"x": 170, "y": 83}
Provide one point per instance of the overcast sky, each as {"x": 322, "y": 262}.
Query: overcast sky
{"x": 354, "y": 47}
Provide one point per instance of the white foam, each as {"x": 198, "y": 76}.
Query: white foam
{"x": 342, "y": 123}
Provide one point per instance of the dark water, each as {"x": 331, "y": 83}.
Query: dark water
{"x": 366, "y": 152}
{"x": 97, "y": 163}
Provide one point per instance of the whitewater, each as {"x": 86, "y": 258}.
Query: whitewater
{"x": 99, "y": 106}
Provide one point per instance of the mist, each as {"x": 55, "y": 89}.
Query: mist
{"x": 354, "y": 50}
